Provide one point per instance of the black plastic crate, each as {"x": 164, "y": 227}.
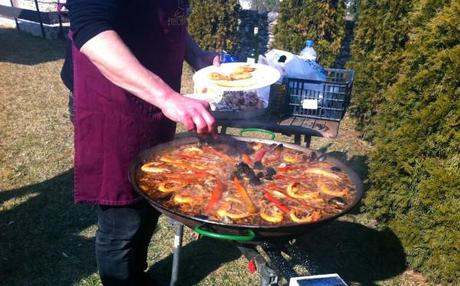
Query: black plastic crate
{"x": 327, "y": 99}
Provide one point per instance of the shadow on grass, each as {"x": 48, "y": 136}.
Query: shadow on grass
{"x": 40, "y": 238}
{"x": 357, "y": 253}
{"x": 197, "y": 260}
{"x": 21, "y": 48}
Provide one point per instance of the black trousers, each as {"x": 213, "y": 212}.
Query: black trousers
{"x": 122, "y": 240}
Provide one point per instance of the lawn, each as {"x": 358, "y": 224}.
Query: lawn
{"x": 45, "y": 239}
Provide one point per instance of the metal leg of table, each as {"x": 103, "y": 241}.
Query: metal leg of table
{"x": 307, "y": 141}
{"x": 176, "y": 252}
{"x": 297, "y": 139}
{"x": 223, "y": 130}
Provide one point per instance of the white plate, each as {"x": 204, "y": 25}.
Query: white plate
{"x": 262, "y": 76}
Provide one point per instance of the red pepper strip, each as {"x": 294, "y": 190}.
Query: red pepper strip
{"x": 290, "y": 168}
{"x": 246, "y": 159}
{"x": 271, "y": 161}
{"x": 244, "y": 195}
{"x": 215, "y": 197}
{"x": 277, "y": 203}
{"x": 187, "y": 178}
{"x": 274, "y": 187}
{"x": 217, "y": 153}
{"x": 201, "y": 174}
{"x": 260, "y": 154}
{"x": 283, "y": 177}
{"x": 187, "y": 157}
{"x": 187, "y": 166}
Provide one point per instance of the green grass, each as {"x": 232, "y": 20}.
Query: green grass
{"x": 45, "y": 239}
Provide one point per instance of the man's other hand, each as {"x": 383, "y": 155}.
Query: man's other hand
{"x": 205, "y": 59}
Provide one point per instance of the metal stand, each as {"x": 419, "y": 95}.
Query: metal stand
{"x": 176, "y": 252}
{"x": 270, "y": 272}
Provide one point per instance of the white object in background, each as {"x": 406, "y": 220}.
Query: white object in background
{"x": 292, "y": 66}
{"x": 308, "y": 53}
{"x": 253, "y": 56}
{"x": 318, "y": 280}
{"x": 310, "y": 104}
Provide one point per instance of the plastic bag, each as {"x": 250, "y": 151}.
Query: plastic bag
{"x": 293, "y": 66}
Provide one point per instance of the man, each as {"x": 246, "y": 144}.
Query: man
{"x": 127, "y": 62}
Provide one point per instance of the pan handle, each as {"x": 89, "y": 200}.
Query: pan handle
{"x": 272, "y": 134}
{"x": 248, "y": 237}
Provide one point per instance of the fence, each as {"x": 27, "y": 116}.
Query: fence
{"x": 30, "y": 15}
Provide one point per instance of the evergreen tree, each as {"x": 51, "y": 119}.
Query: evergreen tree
{"x": 380, "y": 37}
{"x": 214, "y": 24}
{"x": 323, "y": 21}
{"x": 415, "y": 168}
{"x": 381, "y": 34}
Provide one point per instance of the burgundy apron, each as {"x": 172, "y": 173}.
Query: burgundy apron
{"x": 111, "y": 125}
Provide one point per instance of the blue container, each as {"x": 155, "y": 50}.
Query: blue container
{"x": 227, "y": 58}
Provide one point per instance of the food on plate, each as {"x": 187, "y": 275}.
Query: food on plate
{"x": 240, "y": 101}
{"x": 244, "y": 69}
{"x": 239, "y": 73}
{"x": 218, "y": 76}
{"x": 246, "y": 183}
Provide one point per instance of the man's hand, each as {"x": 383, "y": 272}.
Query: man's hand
{"x": 193, "y": 114}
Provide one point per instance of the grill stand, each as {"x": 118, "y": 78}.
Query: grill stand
{"x": 268, "y": 276}
{"x": 176, "y": 251}
{"x": 270, "y": 272}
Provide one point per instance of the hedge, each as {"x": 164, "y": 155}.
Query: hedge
{"x": 322, "y": 21}
{"x": 214, "y": 24}
{"x": 380, "y": 37}
{"x": 415, "y": 167}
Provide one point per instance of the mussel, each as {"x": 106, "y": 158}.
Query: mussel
{"x": 336, "y": 169}
{"x": 338, "y": 202}
{"x": 322, "y": 157}
{"x": 244, "y": 169}
{"x": 258, "y": 165}
{"x": 312, "y": 156}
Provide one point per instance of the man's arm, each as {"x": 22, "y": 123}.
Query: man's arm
{"x": 91, "y": 22}
{"x": 198, "y": 58}
{"x": 116, "y": 62}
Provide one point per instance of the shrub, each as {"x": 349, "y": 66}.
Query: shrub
{"x": 214, "y": 24}
{"x": 380, "y": 37}
{"x": 415, "y": 167}
{"x": 381, "y": 34}
{"x": 322, "y": 21}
